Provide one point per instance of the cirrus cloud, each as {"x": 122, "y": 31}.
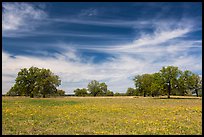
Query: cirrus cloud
{"x": 17, "y": 16}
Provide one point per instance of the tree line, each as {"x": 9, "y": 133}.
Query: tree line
{"x": 168, "y": 81}
{"x": 36, "y": 82}
{"x": 94, "y": 88}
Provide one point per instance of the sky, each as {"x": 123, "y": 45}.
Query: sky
{"x": 107, "y": 42}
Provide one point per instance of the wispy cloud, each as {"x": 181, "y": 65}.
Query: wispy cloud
{"x": 160, "y": 37}
{"x": 162, "y": 40}
{"x": 99, "y": 22}
{"x": 91, "y": 35}
{"x": 20, "y": 16}
{"x": 76, "y": 72}
{"x": 88, "y": 12}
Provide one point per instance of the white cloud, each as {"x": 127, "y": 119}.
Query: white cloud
{"x": 160, "y": 37}
{"x": 88, "y": 12}
{"x": 19, "y": 16}
{"x": 193, "y": 63}
{"x": 153, "y": 47}
{"x": 107, "y": 22}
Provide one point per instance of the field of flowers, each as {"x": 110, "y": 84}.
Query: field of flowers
{"x": 88, "y": 116}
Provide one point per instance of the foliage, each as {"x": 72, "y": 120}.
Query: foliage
{"x": 156, "y": 87}
{"x": 119, "y": 94}
{"x": 60, "y": 92}
{"x": 80, "y": 92}
{"x": 131, "y": 92}
{"x": 169, "y": 77}
{"x": 184, "y": 82}
{"x": 138, "y": 83}
{"x": 93, "y": 87}
{"x": 35, "y": 82}
{"x": 169, "y": 80}
{"x": 97, "y": 89}
{"x": 196, "y": 84}
{"x": 109, "y": 93}
{"x": 146, "y": 84}
{"x": 103, "y": 88}
{"x": 116, "y": 94}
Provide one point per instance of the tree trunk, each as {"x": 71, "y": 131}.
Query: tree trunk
{"x": 144, "y": 94}
{"x": 169, "y": 89}
{"x": 183, "y": 94}
{"x": 196, "y": 90}
{"x": 31, "y": 95}
{"x": 43, "y": 95}
{"x": 152, "y": 95}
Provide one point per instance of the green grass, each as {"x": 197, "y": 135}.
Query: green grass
{"x": 45, "y": 102}
{"x": 117, "y": 115}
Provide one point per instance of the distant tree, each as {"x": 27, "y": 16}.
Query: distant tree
{"x": 184, "y": 82}
{"x": 147, "y": 80}
{"x": 60, "y": 92}
{"x": 143, "y": 83}
{"x": 117, "y": 94}
{"x": 130, "y": 92}
{"x": 109, "y": 93}
{"x": 139, "y": 84}
{"x": 196, "y": 84}
{"x": 169, "y": 80}
{"x": 169, "y": 77}
{"x": 80, "y": 92}
{"x": 103, "y": 88}
{"x": 97, "y": 89}
{"x": 48, "y": 82}
{"x": 35, "y": 81}
{"x": 122, "y": 94}
{"x": 14, "y": 91}
{"x": 156, "y": 86}
{"x": 94, "y": 88}
{"x": 23, "y": 82}
{"x": 137, "y": 93}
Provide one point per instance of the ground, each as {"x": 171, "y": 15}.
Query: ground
{"x": 102, "y": 115}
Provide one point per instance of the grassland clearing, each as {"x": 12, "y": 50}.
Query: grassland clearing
{"x": 101, "y": 115}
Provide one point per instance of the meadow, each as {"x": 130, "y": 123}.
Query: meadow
{"x": 101, "y": 115}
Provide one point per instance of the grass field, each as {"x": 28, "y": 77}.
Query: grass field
{"x": 89, "y": 115}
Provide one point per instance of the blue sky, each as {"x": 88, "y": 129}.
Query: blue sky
{"x": 108, "y": 42}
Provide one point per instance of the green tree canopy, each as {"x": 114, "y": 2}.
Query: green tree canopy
{"x": 60, "y": 92}
{"x": 109, "y": 93}
{"x": 35, "y": 82}
{"x": 94, "y": 88}
{"x": 169, "y": 80}
{"x": 196, "y": 84}
{"x": 143, "y": 83}
{"x": 138, "y": 83}
{"x": 169, "y": 77}
{"x": 97, "y": 89}
{"x": 184, "y": 82}
{"x": 156, "y": 87}
{"x": 80, "y": 92}
{"x": 104, "y": 88}
{"x": 131, "y": 92}
{"x": 117, "y": 94}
